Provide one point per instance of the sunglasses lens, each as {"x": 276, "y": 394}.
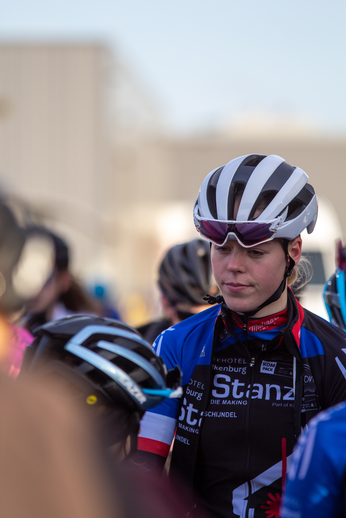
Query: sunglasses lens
{"x": 249, "y": 234}
{"x": 216, "y": 231}
{"x": 253, "y": 233}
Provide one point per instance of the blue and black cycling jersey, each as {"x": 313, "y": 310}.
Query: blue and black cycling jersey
{"x": 247, "y": 395}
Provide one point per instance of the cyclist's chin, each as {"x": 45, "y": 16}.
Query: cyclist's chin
{"x": 240, "y": 304}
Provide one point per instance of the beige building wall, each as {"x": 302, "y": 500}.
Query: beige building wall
{"x": 324, "y": 160}
{"x": 53, "y": 141}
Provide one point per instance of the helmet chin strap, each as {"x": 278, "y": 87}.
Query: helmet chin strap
{"x": 277, "y": 294}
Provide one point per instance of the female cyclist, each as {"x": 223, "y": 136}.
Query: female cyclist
{"x": 256, "y": 366}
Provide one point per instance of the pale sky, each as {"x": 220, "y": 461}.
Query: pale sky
{"x": 206, "y": 62}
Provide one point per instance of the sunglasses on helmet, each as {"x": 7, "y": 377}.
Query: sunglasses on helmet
{"x": 248, "y": 233}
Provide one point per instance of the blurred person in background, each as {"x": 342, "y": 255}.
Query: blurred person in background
{"x": 100, "y": 291}
{"x": 49, "y": 461}
{"x": 257, "y": 367}
{"x": 26, "y": 262}
{"x": 62, "y": 294}
{"x": 53, "y": 460}
{"x": 184, "y": 279}
{"x": 316, "y": 480}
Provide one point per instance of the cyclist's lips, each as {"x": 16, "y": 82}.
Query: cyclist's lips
{"x": 236, "y": 287}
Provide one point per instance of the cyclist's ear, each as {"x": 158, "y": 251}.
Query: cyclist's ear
{"x": 295, "y": 249}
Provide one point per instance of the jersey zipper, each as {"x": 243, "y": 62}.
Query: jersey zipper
{"x": 252, "y": 361}
{"x": 248, "y": 453}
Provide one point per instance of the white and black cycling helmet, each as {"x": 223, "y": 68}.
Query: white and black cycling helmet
{"x": 185, "y": 274}
{"x": 103, "y": 362}
{"x": 290, "y": 202}
{"x": 271, "y": 198}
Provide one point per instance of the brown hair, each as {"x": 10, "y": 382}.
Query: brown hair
{"x": 78, "y": 300}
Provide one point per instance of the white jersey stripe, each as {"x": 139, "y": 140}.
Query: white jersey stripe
{"x": 157, "y": 427}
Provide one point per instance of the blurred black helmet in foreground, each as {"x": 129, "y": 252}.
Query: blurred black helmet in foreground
{"x": 101, "y": 362}
{"x": 106, "y": 367}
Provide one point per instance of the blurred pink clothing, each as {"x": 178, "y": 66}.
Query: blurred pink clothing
{"x": 20, "y": 338}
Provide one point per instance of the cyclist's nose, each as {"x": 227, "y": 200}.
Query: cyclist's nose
{"x": 236, "y": 259}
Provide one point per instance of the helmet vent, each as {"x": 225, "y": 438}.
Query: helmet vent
{"x": 261, "y": 203}
{"x": 301, "y": 201}
{"x": 272, "y": 187}
{"x": 211, "y": 191}
{"x": 253, "y": 160}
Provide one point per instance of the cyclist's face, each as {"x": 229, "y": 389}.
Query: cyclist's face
{"x": 249, "y": 276}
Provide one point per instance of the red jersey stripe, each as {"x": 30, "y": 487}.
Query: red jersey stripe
{"x": 151, "y": 446}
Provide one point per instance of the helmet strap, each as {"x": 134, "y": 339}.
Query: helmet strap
{"x": 135, "y": 423}
{"x": 277, "y": 294}
{"x": 290, "y": 267}
{"x": 211, "y": 299}
{"x": 133, "y": 445}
